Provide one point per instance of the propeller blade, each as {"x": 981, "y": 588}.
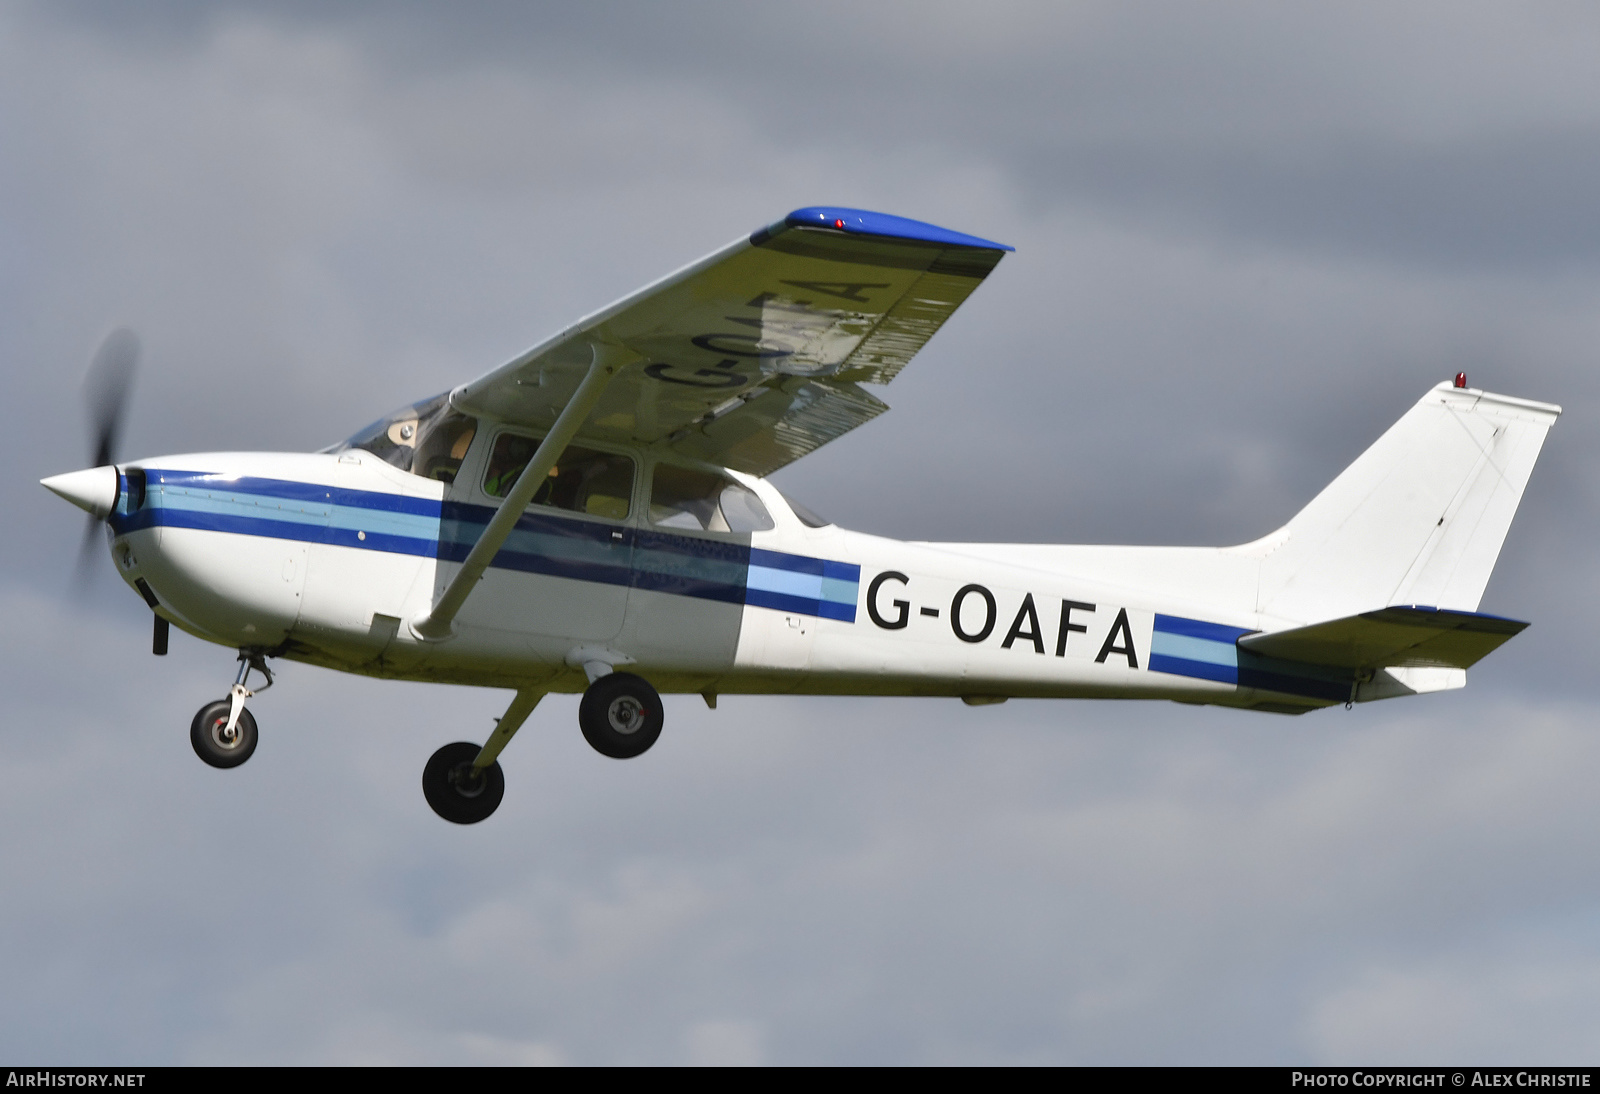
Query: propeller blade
{"x": 105, "y": 396}
{"x": 87, "y": 551}
{"x": 105, "y": 392}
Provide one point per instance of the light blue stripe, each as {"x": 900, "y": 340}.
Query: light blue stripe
{"x": 266, "y": 507}
{"x": 260, "y": 507}
{"x": 385, "y": 521}
{"x": 1194, "y": 649}
{"x": 1203, "y": 670}
{"x": 840, "y": 591}
{"x": 785, "y": 581}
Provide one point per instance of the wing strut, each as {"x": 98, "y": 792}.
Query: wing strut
{"x": 437, "y": 623}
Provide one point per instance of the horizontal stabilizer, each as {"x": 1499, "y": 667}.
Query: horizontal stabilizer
{"x": 1396, "y": 637}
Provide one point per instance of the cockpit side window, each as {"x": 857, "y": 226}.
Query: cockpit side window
{"x": 427, "y": 439}
{"x": 599, "y": 484}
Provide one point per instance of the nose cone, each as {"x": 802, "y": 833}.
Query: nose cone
{"x": 94, "y": 489}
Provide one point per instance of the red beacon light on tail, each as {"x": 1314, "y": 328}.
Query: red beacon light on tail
{"x": 1461, "y": 379}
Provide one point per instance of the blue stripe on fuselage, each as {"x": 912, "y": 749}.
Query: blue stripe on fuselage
{"x": 541, "y": 543}
{"x": 1210, "y": 651}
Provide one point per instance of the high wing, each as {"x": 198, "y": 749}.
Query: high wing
{"x": 753, "y": 356}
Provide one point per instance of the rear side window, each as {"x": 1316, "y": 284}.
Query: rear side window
{"x": 598, "y": 484}
{"x": 681, "y": 497}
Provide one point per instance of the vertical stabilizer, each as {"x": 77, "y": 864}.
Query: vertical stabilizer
{"x": 1419, "y": 518}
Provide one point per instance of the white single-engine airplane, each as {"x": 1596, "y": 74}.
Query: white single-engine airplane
{"x": 593, "y": 516}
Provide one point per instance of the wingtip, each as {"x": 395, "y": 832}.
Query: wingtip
{"x": 866, "y": 222}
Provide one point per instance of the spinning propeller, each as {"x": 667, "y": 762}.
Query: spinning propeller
{"x": 105, "y": 395}
{"x": 95, "y": 488}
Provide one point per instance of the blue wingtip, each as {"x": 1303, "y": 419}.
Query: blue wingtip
{"x": 866, "y": 222}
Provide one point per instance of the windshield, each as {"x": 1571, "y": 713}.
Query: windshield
{"x": 426, "y": 438}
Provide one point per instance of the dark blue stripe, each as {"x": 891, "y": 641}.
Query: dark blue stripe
{"x": 845, "y": 613}
{"x": 799, "y": 564}
{"x": 122, "y": 524}
{"x": 1194, "y": 628}
{"x": 1182, "y": 666}
{"x": 379, "y": 541}
{"x": 783, "y": 602}
{"x": 1294, "y": 684}
{"x": 841, "y": 571}
{"x": 737, "y": 554}
{"x": 461, "y": 529}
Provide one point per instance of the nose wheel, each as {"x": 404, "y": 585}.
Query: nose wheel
{"x": 223, "y": 733}
{"x": 216, "y": 741}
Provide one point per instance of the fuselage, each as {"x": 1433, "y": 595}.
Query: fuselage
{"x": 328, "y": 559}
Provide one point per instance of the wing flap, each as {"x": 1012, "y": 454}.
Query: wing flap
{"x": 783, "y": 423}
{"x": 1395, "y": 637}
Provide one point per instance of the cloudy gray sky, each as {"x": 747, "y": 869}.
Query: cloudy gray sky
{"x": 1248, "y": 237}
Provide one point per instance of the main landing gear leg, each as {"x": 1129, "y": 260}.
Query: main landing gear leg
{"x": 223, "y": 733}
{"x": 462, "y": 782}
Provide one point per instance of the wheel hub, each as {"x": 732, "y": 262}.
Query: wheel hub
{"x": 626, "y": 714}
{"x": 467, "y": 782}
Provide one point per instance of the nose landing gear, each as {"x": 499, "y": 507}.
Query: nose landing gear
{"x": 223, "y": 733}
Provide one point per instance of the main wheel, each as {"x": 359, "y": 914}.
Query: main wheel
{"x": 208, "y": 733}
{"x": 620, "y": 715}
{"x": 454, "y": 792}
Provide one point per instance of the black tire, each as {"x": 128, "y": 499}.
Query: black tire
{"x": 451, "y": 790}
{"x": 620, "y": 715}
{"x": 206, "y": 735}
